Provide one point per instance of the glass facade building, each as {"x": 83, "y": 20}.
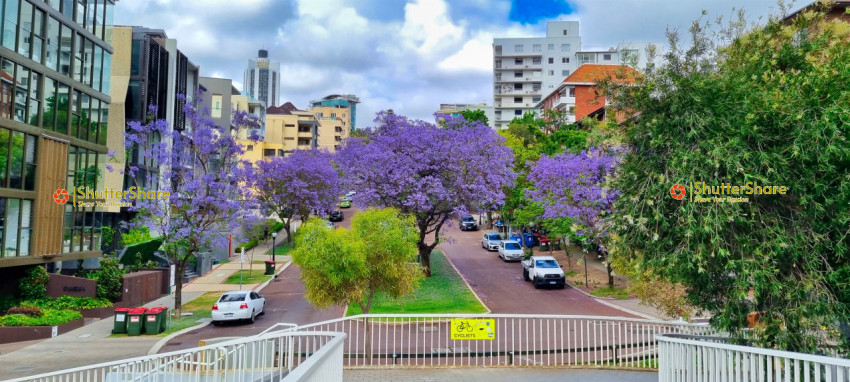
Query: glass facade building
{"x": 55, "y": 62}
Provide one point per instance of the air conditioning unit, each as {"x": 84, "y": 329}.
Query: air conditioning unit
{"x": 526, "y": 66}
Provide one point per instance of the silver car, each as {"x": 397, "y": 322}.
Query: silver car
{"x": 238, "y": 305}
{"x": 491, "y": 241}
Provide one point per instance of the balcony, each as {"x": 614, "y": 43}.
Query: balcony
{"x": 565, "y": 101}
{"x": 510, "y": 91}
{"x": 512, "y": 66}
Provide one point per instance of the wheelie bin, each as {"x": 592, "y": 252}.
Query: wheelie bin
{"x": 163, "y": 318}
{"x": 152, "y": 321}
{"x": 136, "y": 323}
{"x": 120, "y": 320}
{"x": 529, "y": 239}
{"x": 269, "y": 267}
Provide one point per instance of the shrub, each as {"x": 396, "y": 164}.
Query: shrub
{"x": 34, "y": 284}
{"x": 135, "y": 236}
{"x": 25, "y": 310}
{"x": 109, "y": 278}
{"x": 49, "y": 317}
{"x": 68, "y": 302}
{"x": 250, "y": 244}
{"x": 6, "y": 302}
{"x": 141, "y": 252}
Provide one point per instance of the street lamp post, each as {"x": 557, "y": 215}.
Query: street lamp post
{"x": 274, "y": 235}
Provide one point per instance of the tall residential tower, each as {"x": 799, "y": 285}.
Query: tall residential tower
{"x": 262, "y": 79}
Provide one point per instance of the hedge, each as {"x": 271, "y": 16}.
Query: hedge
{"x": 253, "y": 242}
{"x": 146, "y": 249}
{"x": 49, "y": 317}
{"x": 68, "y": 302}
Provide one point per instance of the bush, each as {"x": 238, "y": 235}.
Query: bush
{"x": 25, "y": 310}
{"x": 49, "y": 317}
{"x": 68, "y": 302}
{"x": 135, "y": 236}
{"x": 141, "y": 252}
{"x": 7, "y": 302}
{"x": 109, "y": 278}
{"x": 34, "y": 284}
{"x": 250, "y": 244}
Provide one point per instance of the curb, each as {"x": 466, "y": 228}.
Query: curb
{"x": 466, "y": 283}
{"x": 615, "y": 306}
{"x": 263, "y": 285}
{"x": 159, "y": 344}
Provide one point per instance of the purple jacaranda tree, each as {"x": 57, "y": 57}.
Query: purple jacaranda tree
{"x": 575, "y": 186}
{"x": 201, "y": 169}
{"x": 432, "y": 173}
{"x": 296, "y": 185}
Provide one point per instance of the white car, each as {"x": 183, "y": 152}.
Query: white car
{"x": 491, "y": 241}
{"x": 238, "y": 305}
{"x": 510, "y": 250}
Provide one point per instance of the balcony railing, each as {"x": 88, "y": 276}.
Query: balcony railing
{"x": 565, "y": 100}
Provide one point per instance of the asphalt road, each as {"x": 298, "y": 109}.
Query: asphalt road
{"x": 284, "y": 303}
{"x": 501, "y": 286}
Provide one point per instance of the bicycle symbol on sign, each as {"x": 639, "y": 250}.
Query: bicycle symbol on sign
{"x": 463, "y": 325}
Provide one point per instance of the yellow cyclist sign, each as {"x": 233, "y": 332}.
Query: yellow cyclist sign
{"x": 473, "y": 329}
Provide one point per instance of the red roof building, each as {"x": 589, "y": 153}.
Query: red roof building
{"x": 578, "y": 96}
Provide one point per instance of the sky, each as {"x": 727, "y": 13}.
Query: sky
{"x": 405, "y": 55}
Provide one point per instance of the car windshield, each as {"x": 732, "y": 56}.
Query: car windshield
{"x": 494, "y": 236}
{"x": 468, "y": 219}
{"x": 232, "y": 297}
{"x": 546, "y": 264}
{"x": 512, "y": 246}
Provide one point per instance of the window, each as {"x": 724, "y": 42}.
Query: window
{"x": 517, "y": 74}
{"x": 536, "y": 61}
{"x": 535, "y": 48}
{"x": 517, "y": 61}
{"x": 572, "y": 91}
{"x": 572, "y": 110}
{"x": 518, "y": 48}
{"x": 565, "y": 47}
{"x": 565, "y": 32}
{"x": 585, "y": 58}
{"x": 551, "y": 60}
{"x": 268, "y": 152}
{"x": 10, "y": 24}
{"x": 606, "y": 56}
{"x": 517, "y": 86}
{"x": 565, "y": 60}
{"x": 249, "y": 148}
{"x": 535, "y": 99}
{"x": 551, "y": 46}
{"x": 551, "y": 72}
{"x": 517, "y": 99}
{"x": 280, "y": 153}
{"x": 565, "y": 73}
{"x": 216, "y": 101}
{"x": 517, "y": 112}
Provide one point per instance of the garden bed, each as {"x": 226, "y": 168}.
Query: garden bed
{"x": 10, "y": 334}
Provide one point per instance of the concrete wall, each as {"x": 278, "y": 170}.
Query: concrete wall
{"x": 61, "y": 285}
{"x": 141, "y": 287}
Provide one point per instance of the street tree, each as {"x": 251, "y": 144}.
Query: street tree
{"x": 203, "y": 176}
{"x": 577, "y": 187}
{"x": 762, "y": 105}
{"x": 473, "y": 115}
{"x": 296, "y": 185}
{"x": 430, "y": 173}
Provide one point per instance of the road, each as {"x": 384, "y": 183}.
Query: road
{"x": 502, "y": 289}
{"x": 284, "y": 303}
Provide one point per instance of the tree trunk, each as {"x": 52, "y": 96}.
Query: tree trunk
{"x": 567, "y": 252}
{"x": 610, "y": 273}
{"x": 179, "y": 269}
{"x": 425, "y": 257}
{"x": 288, "y": 233}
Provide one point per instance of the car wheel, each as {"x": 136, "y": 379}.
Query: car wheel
{"x": 253, "y": 316}
{"x": 263, "y": 311}
{"x": 216, "y": 323}
{"x": 536, "y": 285}
{"x": 525, "y": 275}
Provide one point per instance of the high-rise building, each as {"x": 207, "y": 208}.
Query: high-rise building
{"x": 262, "y": 79}
{"x": 55, "y": 65}
{"x": 337, "y": 106}
{"x": 525, "y": 69}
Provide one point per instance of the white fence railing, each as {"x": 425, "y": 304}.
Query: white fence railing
{"x": 518, "y": 340}
{"x": 276, "y": 356}
{"x": 691, "y": 358}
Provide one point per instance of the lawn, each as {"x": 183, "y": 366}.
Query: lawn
{"x": 281, "y": 248}
{"x": 443, "y": 292}
{"x": 617, "y": 293}
{"x": 253, "y": 276}
{"x": 200, "y": 307}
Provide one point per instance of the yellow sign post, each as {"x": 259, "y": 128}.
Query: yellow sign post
{"x": 473, "y": 329}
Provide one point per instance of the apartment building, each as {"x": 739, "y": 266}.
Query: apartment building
{"x": 525, "y": 69}
{"x": 337, "y": 106}
{"x": 55, "y": 63}
{"x": 218, "y": 98}
{"x": 262, "y": 79}
{"x": 454, "y": 109}
{"x": 635, "y": 54}
{"x": 577, "y": 97}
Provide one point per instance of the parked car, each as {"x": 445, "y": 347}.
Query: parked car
{"x": 335, "y": 216}
{"x": 350, "y": 194}
{"x": 345, "y": 203}
{"x": 491, "y": 241}
{"x": 468, "y": 223}
{"x": 543, "y": 271}
{"x": 510, "y": 251}
{"x": 238, "y": 305}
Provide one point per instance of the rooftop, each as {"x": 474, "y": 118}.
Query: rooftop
{"x": 593, "y": 73}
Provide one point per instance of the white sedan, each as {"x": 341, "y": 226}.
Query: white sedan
{"x": 238, "y": 305}
{"x": 491, "y": 241}
{"x": 510, "y": 250}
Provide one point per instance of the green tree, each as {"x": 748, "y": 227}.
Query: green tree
{"x": 377, "y": 254}
{"x": 475, "y": 115}
{"x": 768, "y": 105}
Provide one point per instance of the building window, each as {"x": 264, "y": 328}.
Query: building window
{"x": 565, "y": 73}
{"x": 606, "y": 56}
{"x": 249, "y": 148}
{"x": 565, "y": 32}
{"x": 517, "y": 74}
{"x": 551, "y": 60}
{"x": 551, "y": 72}
{"x": 517, "y": 61}
{"x": 586, "y": 58}
{"x": 536, "y": 61}
{"x": 565, "y": 47}
{"x": 535, "y": 48}
{"x": 268, "y": 152}
{"x": 551, "y": 46}
{"x": 518, "y": 112}
{"x": 15, "y": 227}
{"x": 572, "y": 91}
{"x": 535, "y": 99}
{"x": 280, "y": 153}
{"x": 518, "y": 48}
{"x": 83, "y": 224}
{"x": 216, "y": 101}
{"x": 517, "y": 86}
{"x": 517, "y": 99}
{"x": 572, "y": 110}
{"x": 565, "y": 60}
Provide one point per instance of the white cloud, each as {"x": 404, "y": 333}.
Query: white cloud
{"x": 475, "y": 55}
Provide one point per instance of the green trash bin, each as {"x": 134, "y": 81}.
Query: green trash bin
{"x": 135, "y": 322}
{"x": 120, "y": 320}
{"x": 269, "y": 267}
{"x": 152, "y": 321}
{"x": 163, "y": 318}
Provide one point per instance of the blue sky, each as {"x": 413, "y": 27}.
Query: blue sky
{"x": 405, "y": 55}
